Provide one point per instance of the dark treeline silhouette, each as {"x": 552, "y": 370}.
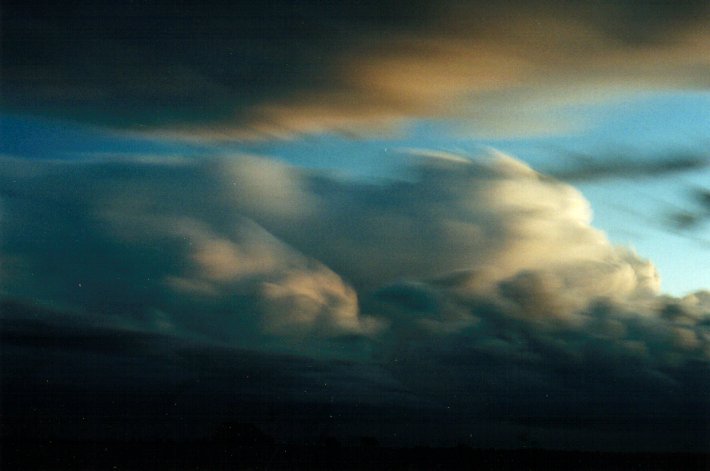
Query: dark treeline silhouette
{"x": 235, "y": 446}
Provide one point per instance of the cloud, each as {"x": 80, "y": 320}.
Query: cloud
{"x": 78, "y": 375}
{"x": 277, "y": 70}
{"x": 153, "y": 243}
{"x": 493, "y": 215}
{"x": 523, "y": 351}
{"x": 204, "y": 230}
{"x": 693, "y": 216}
{"x": 474, "y": 294}
{"x": 590, "y": 168}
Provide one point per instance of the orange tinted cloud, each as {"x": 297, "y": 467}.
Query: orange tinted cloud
{"x": 265, "y": 71}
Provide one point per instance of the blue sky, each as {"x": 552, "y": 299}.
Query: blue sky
{"x": 632, "y": 211}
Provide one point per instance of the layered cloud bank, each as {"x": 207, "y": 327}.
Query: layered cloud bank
{"x": 473, "y": 283}
{"x": 273, "y": 70}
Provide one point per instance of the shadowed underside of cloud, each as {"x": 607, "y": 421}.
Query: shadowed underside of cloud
{"x": 273, "y": 69}
{"x": 476, "y": 286}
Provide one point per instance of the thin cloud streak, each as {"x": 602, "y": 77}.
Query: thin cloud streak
{"x": 588, "y": 168}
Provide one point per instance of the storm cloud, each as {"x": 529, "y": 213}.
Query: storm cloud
{"x": 473, "y": 290}
{"x": 225, "y": 71}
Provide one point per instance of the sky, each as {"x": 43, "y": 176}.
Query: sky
{"x": 430, "y": 223}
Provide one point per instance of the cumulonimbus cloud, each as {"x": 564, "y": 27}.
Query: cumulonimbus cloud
{"x": 228, "y": 223}
{"x": 210, "y": 229}
{"x": 474, "y": 281}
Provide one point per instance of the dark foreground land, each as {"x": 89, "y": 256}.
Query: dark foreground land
{"x": 220, "y": 455}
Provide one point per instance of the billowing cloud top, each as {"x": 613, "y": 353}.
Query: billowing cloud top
{"x": 278, "y": 68}
{"x": 477, "y": 284}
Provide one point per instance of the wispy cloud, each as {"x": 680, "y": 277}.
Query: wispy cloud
{"x": 695, "y": 214}
{"x": 585, "y": 168}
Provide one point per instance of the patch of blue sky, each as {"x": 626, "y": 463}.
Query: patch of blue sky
{"x": 39, "y": 138}
{"x": 644, "y": 124}
{"x": 631, "y": 211}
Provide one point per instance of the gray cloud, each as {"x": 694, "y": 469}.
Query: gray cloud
{"x": 83, "y": 375}
{"x": 473, "y": 292}
{"x": 256, "y": 70}
{"x": 215, "y": 235}
{"x": 150, "y": 241}
{"x": 647, "y": 364}
{"x": 591, "y": 168}
{"x": 695, "y": 214}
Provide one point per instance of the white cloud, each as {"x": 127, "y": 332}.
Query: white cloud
{"x": 476, "y": 279}
{"x": 246, "y": 247}
{"x": 494, "y": 215}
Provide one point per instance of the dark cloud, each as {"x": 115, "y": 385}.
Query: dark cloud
{"x": 588, "y": 168}
{"x": 156, "y": 242}
{"x": 609, "y": 368}
{"x": 85, "y": 375}
{"x": 472, "y": 301}
{"x": 165, "y": 63}
{"x": 225, "y": 70}
{"x": 696, "y": 213}
{"x": 441, "y": 388}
